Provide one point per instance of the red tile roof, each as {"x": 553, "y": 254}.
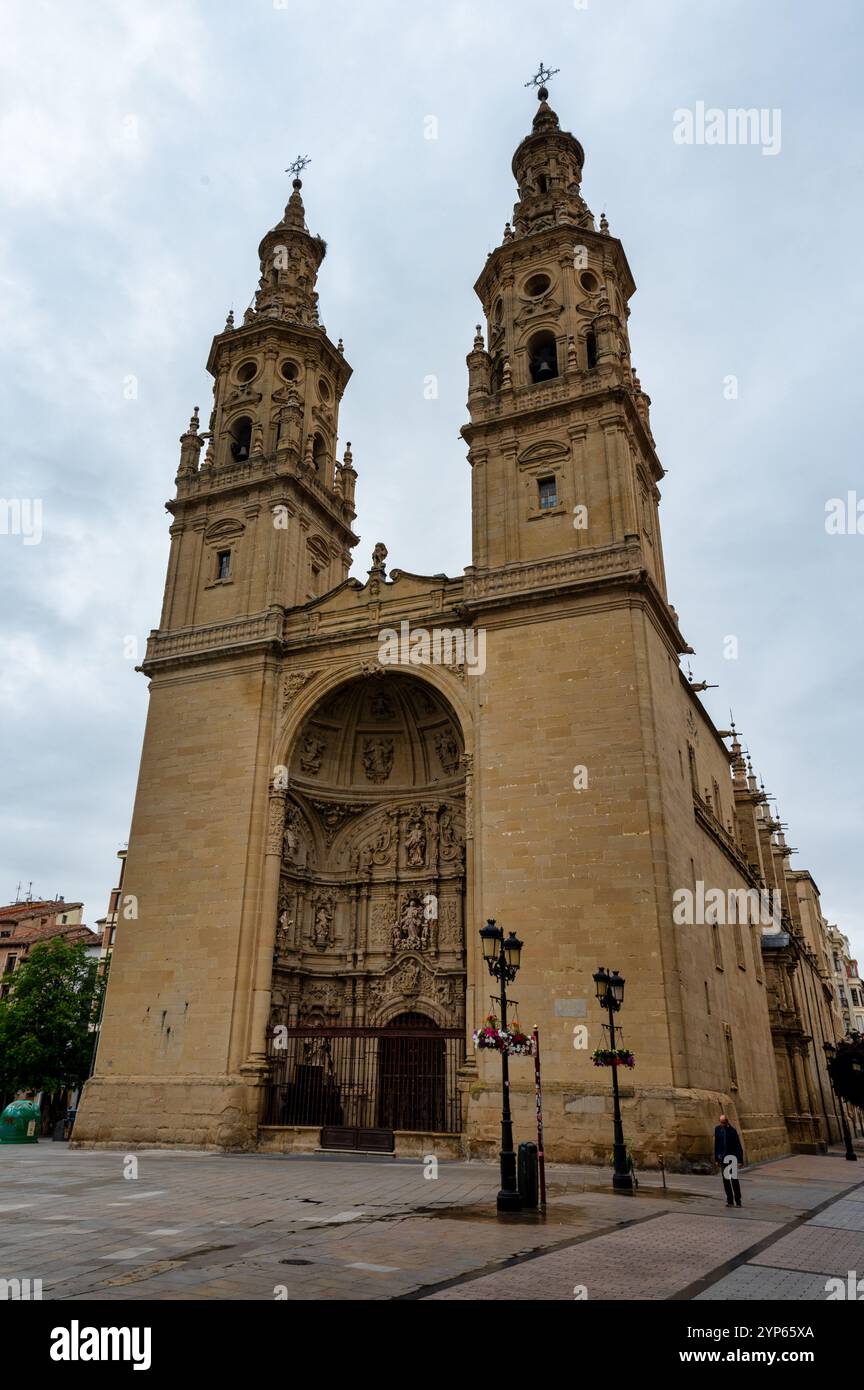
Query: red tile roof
{"x": 41, "y": 907}
{"x": 27, "y": 936}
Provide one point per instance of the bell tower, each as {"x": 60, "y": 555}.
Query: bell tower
{"x": 261, "y": 531}
{"x": 265, "y": 516}
{"x": 559, "y": 437}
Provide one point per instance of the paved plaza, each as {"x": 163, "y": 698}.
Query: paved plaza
{"x": 95, "y": 1225}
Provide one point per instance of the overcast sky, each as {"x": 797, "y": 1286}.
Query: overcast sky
{"x": 142, "y": 150}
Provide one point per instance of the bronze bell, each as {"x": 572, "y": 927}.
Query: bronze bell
{"x": 544, "y": 365}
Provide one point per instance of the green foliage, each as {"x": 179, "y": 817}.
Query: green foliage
{"x": 846, "y": 1068}
{"x": 46, "y": 1037}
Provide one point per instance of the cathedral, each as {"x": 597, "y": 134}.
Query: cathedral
{"x": 341, "y": 781}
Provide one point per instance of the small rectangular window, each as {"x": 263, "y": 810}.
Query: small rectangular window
{"x": 548, "y": 489}
{"x": 223, "y": 564}
{"x": 730, "y": 1058}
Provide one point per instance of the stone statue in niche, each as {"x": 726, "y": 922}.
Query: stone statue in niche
{"x": 284, "y": 933}
{"x": 322, "y": 925}
{"x": 378, "y": 758}
{"x": 311, "y": 753}
{"x": 415, "y": 844}
{"x": 412, "y": 931}
{"x": 450, "y": 845}
{"x": 290, "y": 840}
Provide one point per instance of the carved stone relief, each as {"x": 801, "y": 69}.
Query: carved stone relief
{"x": 378, "y": 758}
{"x": 312, "y": 750}
{"x": 447, "y": 748}
{"x": 334, "y": 814}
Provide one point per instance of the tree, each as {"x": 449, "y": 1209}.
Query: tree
{"x": 46, "y": 1021}
{"x": 846, "y": 1069}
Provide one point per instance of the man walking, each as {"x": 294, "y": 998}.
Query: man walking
{"x": 729, "y": 1154}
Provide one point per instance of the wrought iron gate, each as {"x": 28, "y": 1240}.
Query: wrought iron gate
{"x": 361, "y": 1084}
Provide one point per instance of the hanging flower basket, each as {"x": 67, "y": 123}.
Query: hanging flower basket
{"x": 489, "y": 1035}
{"x": 519, "y": 1044}
{"x": 607, "y": 1057}
{"x": 512, "y": 1041}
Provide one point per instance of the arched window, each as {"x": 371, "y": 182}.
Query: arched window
{"x": 241, "y": 438}
{"x": 591, "y": 349}
{"x": 543, "y": 357}
{"x": 319, "y": 456}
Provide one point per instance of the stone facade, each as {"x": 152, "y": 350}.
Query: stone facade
{"x": 303, "y": 800}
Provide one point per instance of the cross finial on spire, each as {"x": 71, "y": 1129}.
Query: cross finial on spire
{"x": 540, "y": 78}
{"x": 298, "y": 165}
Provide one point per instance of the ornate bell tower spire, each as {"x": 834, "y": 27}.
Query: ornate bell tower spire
{"x": 290, "y": 259}
{"x": 563, "y": 459}
{"x": 264, "y": 518}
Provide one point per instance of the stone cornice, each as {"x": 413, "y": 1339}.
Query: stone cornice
{"x": 261, "y": 631}
{"x": 720, "y": 835}
{"x": 263, "y": 330}
{"x": 525, "y": 406}
{"x": 620, "y": 566}
{"x": 241, "y": 481}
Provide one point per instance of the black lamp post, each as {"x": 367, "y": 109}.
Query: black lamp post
{"x": 851, "y": 1155}
{"x": 502, "y": 957}
{"x": 610, "y": 993}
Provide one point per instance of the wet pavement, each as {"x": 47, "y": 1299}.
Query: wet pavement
{"x": 162, "y": 1224}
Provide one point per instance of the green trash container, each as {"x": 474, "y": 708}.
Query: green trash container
{"x": 19, "y": 1123}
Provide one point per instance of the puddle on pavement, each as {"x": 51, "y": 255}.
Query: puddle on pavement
{"x": 564, "y": 1207}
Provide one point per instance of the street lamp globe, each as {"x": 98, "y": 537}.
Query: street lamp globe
{"x": 491, "y": 937}
{"x": 513, "y": 951}
{"x": 601, "y": 986}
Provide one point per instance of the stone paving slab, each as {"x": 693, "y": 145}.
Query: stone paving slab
{"x": 652, "y": 1260}
{"x": 843, "y": 1215}
{"x": 752, "y": 1283}
{"x": 817, "y": 1248}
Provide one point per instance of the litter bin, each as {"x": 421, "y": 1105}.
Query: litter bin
{"x": 19, "y": 1123}
{"x": 528, "y": 1176}
{"x": 63, "y": 1127}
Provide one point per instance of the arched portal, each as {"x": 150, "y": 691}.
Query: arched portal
{"x": 412, "y": 1075}
{"x": 371, "y": 906}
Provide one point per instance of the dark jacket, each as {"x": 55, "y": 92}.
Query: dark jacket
{"x": 727, "y": 1141}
